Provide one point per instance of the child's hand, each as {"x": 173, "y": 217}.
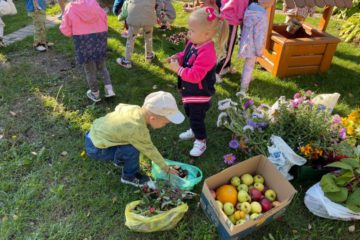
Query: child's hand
{"x": 174, "y": 65}
{"x": 169, "y": 59}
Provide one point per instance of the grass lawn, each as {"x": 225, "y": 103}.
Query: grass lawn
{"x": 48, "y": 190}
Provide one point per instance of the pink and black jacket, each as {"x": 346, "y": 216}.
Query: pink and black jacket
{"x": 196, "y": 76}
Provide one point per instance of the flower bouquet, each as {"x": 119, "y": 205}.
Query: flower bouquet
{"x": 159, "y": 209}
{"x": 248, "y": 123}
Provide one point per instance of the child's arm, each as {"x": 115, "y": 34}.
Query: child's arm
{"x": 146, "y": 146}
{"x": 66, "y": 26}
{"x": 117, "y": 6}
{"x": 204, "y": 62}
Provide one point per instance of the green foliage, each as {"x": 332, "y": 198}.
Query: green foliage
{"x": 350, "y": 29}
{"x": 343, "y": 186}
{"x": 344, "y": 13}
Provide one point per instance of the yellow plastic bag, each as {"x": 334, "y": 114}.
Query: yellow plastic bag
{"x": 160, "y": 222}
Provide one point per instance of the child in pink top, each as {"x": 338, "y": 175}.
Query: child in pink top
{"x": 233, "y": 12}
{"x": 195, "y": 67}
{"x": 86, "y": 22}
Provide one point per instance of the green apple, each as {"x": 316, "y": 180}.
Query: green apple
{"x": 235, "y": 181}
{"x": 229, "y": 208}
{"x": 259, "y": 186}
{"x": 255, "y": 207}
{"x": 232, "y": 218}
{"x": 245, "y": 207}
{"x": 254, "y": 216}
{"x": 247, "y": 179}
{"x": 241, "y": 221}
{"x": 243, "y": 196}
{"x": 270, "y": 194}
{"x": 243, "y": 187}
{"x": 259, "y": 179}
{"x": 219, "y": 204}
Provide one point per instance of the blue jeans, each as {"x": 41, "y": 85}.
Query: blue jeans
{"x": 126, "y": 155}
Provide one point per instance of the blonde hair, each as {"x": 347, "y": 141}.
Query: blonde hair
{"x": 217, "y": 26}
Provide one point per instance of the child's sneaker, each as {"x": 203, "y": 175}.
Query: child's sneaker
{"x": 225, "y": 71}
{"x": 150, "y": 58}
{"x": 2, "y": 43}
{"x": 109, "y": 92}
{"x": 123, "y": 62}
{"x": 138, "y": 180}
{"x": 188, "y": 134}
{"x": 125, "y": 34}
{"x": 198, "y": 148}
{"x": 41, "y": 48}
{"x": 94, "y": 96}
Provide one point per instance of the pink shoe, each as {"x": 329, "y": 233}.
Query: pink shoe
{"x": 125, "y": 34}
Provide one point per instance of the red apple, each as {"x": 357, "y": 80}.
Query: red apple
{"x": 266, "y": 204}
{"x": 255, "y": 194}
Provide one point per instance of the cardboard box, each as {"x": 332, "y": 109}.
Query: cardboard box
{"x": 273, "y": 179}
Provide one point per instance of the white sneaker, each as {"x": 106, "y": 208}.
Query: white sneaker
{"x": 109, "y": 92}
{"x": 188, "y": 134}
{"x": 40, "y": 48}
{"x": 198, "y": 148}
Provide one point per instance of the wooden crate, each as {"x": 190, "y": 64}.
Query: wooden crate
{"x": 308, "y": 51}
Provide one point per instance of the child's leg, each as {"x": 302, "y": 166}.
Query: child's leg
{"x": 148, "y": 35}
{"x": 2, "y": 26}
{"x": 90, "y": 71}
{"x": 101, "y": 67}
{"x": 247, "y": 72}
{"x": 130, "y": 42}
{"x": 39, "y": 18}
{"x": 126, "y": 155}
{"x": 225, "y": 62}
{"x": 196, "y": 113}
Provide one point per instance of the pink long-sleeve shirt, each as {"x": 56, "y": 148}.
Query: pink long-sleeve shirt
{"x": 233, "y": 10}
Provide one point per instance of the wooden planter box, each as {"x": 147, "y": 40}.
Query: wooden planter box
{"x": 307, "y": 51}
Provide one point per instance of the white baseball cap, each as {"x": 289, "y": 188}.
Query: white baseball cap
{"x": 163, "y": 104}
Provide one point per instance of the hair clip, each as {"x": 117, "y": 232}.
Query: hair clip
{"x": 211, "y": 14}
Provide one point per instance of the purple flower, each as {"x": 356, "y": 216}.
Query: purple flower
{"x": 336, "y": 119}
{"x": 248, "y": 103}
{"x": 234, "y": 144}
{"x": 251, "y": 123}
{"x": 262, "y": 125}
{"x": 294, "y": 103}
{"x": 342, "y": 133}
{"x": 229, "y": 159}
{"x": 297, "y": 95}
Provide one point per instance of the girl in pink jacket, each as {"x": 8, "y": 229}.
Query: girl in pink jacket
{"x": 86, "y": 22}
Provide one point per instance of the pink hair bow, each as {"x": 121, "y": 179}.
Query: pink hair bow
{"x": 211, "y": 14}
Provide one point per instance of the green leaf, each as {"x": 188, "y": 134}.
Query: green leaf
{"x": 357, "y": 151}
{"x": 340, "y": 165}
{"x": 357, "y": 171}
{"x": 351, "y": 161}
{"x": 353, "y": 201}
{"x": 338, "y": 197}
{"x": 328, "y": 184}
{"x": 345, "y": 178}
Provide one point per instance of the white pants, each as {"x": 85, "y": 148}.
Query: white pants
{"x": 2, "y": 25}
{"x": 247, "y": 73}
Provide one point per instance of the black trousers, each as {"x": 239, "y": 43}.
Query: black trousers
{"x": 196, "y": 113}
{"x": 226, "y": 61}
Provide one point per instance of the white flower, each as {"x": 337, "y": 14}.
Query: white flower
{"x": 220, "y": 120}
{"x": 248, "y": 127}
{"x": 225, "y": 104}
{"x": 258, "y": 115}
{"x": 240, "y": 94}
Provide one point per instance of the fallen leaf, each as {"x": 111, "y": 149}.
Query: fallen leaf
{"x": 64, "y": 153}
{"x": 294, "y": 231}
{"x": 309, "y": 226}
{"x": 114, "y": 200}
{"x": 352, "y": 228}
{"x": 15, "y": 217}
{"x": 34, "y": 153}
{"x": 88, "y": 214}
{"x": 12, "y": 113}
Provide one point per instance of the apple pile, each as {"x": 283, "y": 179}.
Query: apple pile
{"x": 253, "y": 198}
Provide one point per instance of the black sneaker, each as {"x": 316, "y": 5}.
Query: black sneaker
{"x": 138, "y": 180}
